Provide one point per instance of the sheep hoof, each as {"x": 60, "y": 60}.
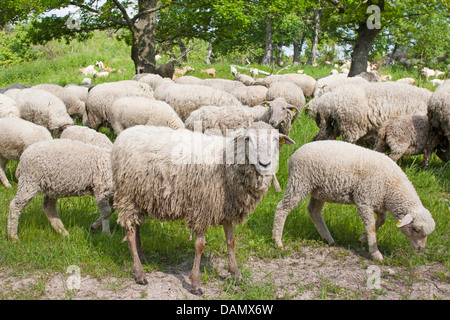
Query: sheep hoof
{"x": 142, "y": 281}
{"x": 377, "y": 256}
{"x": 197, "y": 291}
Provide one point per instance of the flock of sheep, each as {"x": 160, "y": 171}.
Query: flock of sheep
{"x": 206, "y": 151}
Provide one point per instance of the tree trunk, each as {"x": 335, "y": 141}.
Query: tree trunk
{"x": 208, "y": 55}
{"x": 315, "y": 40}
{"x": 298, "y": 45}
{"x": 363, "y": 45}
{"x": 268, "y": 52}
{"x": 144, "y": 39}
{"x": 280, "y": 54}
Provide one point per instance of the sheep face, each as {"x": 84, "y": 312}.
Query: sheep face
{"x": 261, "y": 147}
{"x": 282, "y": 114}
{"x": 417, "y": 226}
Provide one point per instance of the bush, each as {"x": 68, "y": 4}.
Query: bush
{"x": 15, "y": 47}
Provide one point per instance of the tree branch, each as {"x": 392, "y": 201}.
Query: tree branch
{"x": 99, "y": 12}
{"x": 124, "y": 14}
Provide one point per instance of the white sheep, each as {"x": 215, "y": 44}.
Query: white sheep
{"x": 250, "y": 95}
{"x": 188, "y": 80}
{"x": 357, "y": 111}
{"x": 148, "y": 78}
{"x": 131, "y": 111}
{"x": 102, "y": 96}
{"x": 16, "y": 135}
{"x": 186, "y": 98}
{"x": 410, "y": 81}
{"x": 43, "y": 108}
{"x": 244, "y": 78}
{"x": 75, "y": 107}
{"x": 8, "y": 107}
{"x": 208, "y": 183}
{"x": 289, "y": 91}
{"x": 222, "y": 84}
{"x": 80, "y": 91}
{"x": 336, "y": 171}
{"x": 62, "y": 168}
{"x": 87, "y": 135}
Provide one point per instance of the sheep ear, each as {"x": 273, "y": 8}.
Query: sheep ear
{"x": 293, "y": 109}
{"x": 284, "y": 139}
{"x": 405, "y": 221}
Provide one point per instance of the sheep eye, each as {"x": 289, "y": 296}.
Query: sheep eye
{"x": 416, "y": 230}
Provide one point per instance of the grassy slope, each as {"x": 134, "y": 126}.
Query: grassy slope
{"x": 166, "y": 243}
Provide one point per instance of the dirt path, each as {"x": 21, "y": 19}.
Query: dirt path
{"x": 315, "y": 273}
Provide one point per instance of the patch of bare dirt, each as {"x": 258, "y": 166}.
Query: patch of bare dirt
{"x": 313, "y": 273}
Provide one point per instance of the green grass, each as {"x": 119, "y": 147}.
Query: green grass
{"x": 166, "y": 244}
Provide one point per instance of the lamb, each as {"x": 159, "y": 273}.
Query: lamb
{"x": 209, "y": 72}
{"x": 131, "y": 111}
{"x": 43, "y": 108}
{"x": 186, "y": 98}
{"x": 337, "y": 171}
{"x": 250, "y": 95}
{"x": 439, "y": 118}
{"x": 16, "y": 135}
{"x": 166, "y": 70}
{"x": 87, "y": 70}
{"x": 357, "y": 111}
{"x": 75, "y": 107}
{"x": 87, "y": 135}
{"x": 289, "y": 91}
{"x": 200, "y": 183}
{"x": 62, "y": 168}
{"x": 8, "y": 107}
{"x": 183, "y": 70}
{"x": 403, "y": 135}
{"x": 102, "y": 96}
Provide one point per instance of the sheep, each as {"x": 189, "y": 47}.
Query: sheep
{"x": 80, "y": 91}
{"x": 102, "y": 96}
{"x": 410, "y": 81}
{"x": 183, "y": 70}
{"x": 245, "y": 79}
{"x": 250, "y": 95}
{"x": 166, "y": 70}
{"x": 148, "y": 78}
{"x": 87, "y": 135}
{"x": 186, "y": 98}
{"x": 188, "y": 80}
{"x": 222, "y": 84}
{"x": 12, "y": 93}
{"x": 233, "y": 70}
{"x": 200, "y": 183}
{"x": 130, "y": 111}
{"x": 436, "y": 82}
{"x": 403, "y": 135}
{"x": 209, "y": 72}
{"x": 86, "y": 82}
{"x": 289, "y": 91}
{"x": 357, "y": 111}
{"x": 16, "y": 135}
{"x": 87, "y": 70}
{"x": 8, "y": 107}
{"x": 43, "y": 108}
{"x": 75, "y": 107}
{"x": 62, "y": 168}
{"x": 337, "y": 171}
{"x": 305, "y": 82}
{"x": 439, "y": 118}
{"x": 427, "y": 72}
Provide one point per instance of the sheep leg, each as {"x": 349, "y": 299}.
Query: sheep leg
{"x": 3, "y": 179}
{"x": 276, "y": 184}
{"x": 105, "y": 210}
{"x": 315, "y": 212}
{"x": 24, "y": 195}
{"x": 195, "y": 273}
{"x": 49, "y": 205}
{"x": 232, "y": 265}
{"x": 134, "y": 244}
{"x": 366, "y": 214}
{"x": 291, "y": 199}
{"x": 381, "y": 218}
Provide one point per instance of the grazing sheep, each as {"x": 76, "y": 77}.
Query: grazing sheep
{"x": 87, "y": 135}
{"x": 439, "y": 118}
{"x": 403, "y": 135}
{"x": 410, "y": 81}
{"x": 81, "y": 92}
{"x": 62, "y": 168}
{"x": 222, "y": 84}
{"x": 8, "y": 107}
{"x": 148, "y": 78}
{"x": 188, "y": 80}
{"x": 131, "y": 111}
{"x": 43, "y": 108}
{"x": 185, "y": 98}
{"x": 209, "y": 72}
{"x": 102, "y": 96}
{"x": 87, "y": 70}
{"x": 305, "y": 82}
{"x": 201, "y": 183}
{"x": 250, "y": 95}
{"x": 336, "y": 171}
{"x": 166, "y": 70}
{"x": 15, "y": 136}
{"x": 357, "y": 111}
{"x": 245, "y": 79}
{"x": 12, "y": 93}
{"x": 75, "y": 107}
{"x": 289, "y": 91}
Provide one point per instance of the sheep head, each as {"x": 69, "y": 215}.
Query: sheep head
{"x": 417, "y": 225}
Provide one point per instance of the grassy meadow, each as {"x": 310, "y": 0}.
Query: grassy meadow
{"x": 41, "y": 250}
